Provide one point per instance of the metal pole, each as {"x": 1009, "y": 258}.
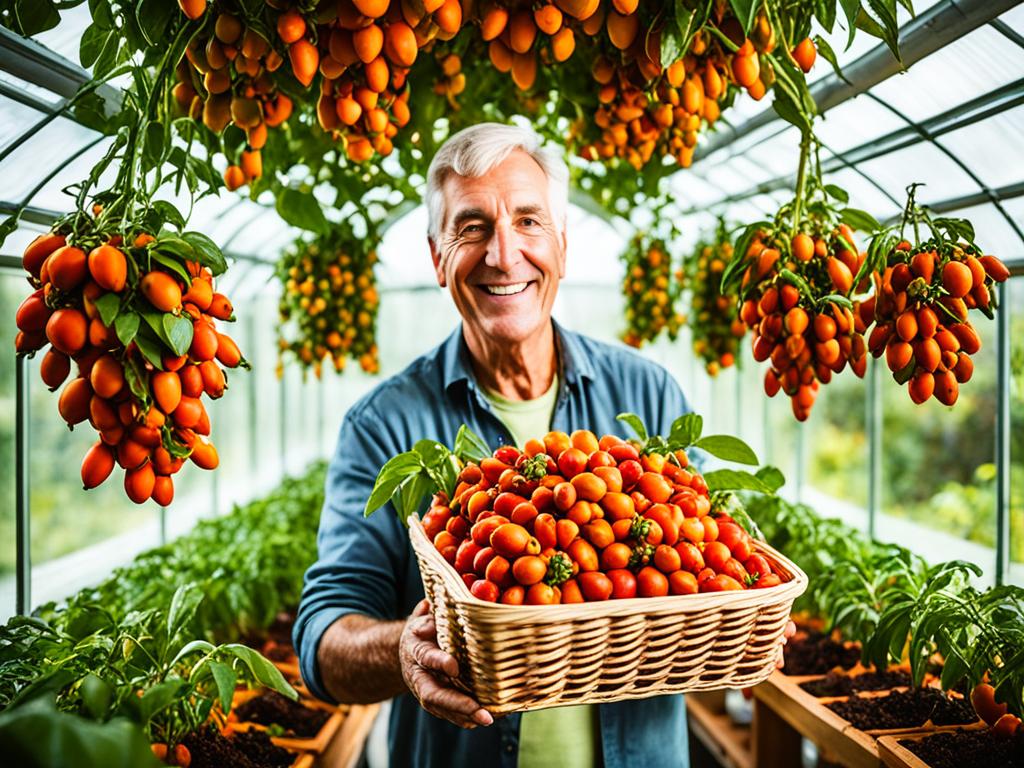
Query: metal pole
{"x": 1002, "y": 447}
{"x": 282, "y": 404}
{"x": 874, "y": 429}
{"x": 801, "y": 455}
{"x": 251, "y": 393}
{"x": 23, "y": 597}
{"x": 321, "y": 415}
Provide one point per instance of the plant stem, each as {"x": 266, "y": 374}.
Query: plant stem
{"x": 801, "y": 178}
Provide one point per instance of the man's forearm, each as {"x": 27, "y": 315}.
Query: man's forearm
{"x": 358, "y": 659}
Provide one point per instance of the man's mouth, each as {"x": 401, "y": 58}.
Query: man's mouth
{"x": 506, "y": 290}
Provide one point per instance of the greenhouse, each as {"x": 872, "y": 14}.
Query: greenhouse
{"x": 497, "y": 383}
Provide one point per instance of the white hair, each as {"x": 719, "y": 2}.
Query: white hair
{"x": 475, "y": 151}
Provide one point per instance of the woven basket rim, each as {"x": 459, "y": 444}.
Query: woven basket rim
{"x": 483, "y": 610}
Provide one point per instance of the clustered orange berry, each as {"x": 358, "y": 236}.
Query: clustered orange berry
{"x": 330, "y": 301}
{"x": 796, "y": 290}
{"x": 111, "y": 309}
{"x": 574, "y": 519}
{"x": 650, "y": 290}
{"x": 920, "y": 310}
{"x": 712, "y": 318}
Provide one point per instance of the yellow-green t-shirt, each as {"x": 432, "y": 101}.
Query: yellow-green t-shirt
{"x": 562, "y": 737}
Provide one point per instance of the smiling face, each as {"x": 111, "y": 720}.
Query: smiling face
{"x": 500, "y": 251}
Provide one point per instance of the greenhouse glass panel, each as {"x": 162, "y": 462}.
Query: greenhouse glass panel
{"x": 35, "y": 158}
{"x": 1015, "y": 306}
{"x": 782, "y": 444}
{"x": 992, "y": 232}
{"x": 15, "y": 119}
{"x": 986, "y": 147}
{"x": 922, "y": 163}
{"x": 938, "y": 470}
{"x": 865, "y": 195}
{"x": 30, "y": 89}
{"x": 52, "y": 196}
{"x": 856, "y": 122}
{"x": 66, "y": 37}
{"x": 691, "y": 189}
{"x": 836, "y": 450}
{"x": 942, "y": 82}
{"x": 12, "y": 293}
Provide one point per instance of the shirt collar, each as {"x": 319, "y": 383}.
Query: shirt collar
{"x": 456, "y": 366}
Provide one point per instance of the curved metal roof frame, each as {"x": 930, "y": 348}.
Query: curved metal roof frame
{"x": 946, "y": 21}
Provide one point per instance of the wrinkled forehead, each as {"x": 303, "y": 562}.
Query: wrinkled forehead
{"x": 517, "y": 184}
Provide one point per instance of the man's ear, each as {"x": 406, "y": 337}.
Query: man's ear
{"x": 435, "y": 256}
{"x": 565, "y": 246}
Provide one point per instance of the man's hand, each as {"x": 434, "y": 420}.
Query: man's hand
{"x": 787, "y": 633}
{"x": 423, "y": 666}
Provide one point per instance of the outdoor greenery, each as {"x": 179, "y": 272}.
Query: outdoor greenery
{"x": 140, "y": 647}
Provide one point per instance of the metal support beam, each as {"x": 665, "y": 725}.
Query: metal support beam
{"x": 1009, "y": 192}
{"x": 874, "y": 429}
{"x": 1002, "y": 447}
{"x": 932, "y": 30}
{"x": 23, "y": 562}
{"x": 35, "y": 63}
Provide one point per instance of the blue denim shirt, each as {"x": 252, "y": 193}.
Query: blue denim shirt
{"x": 367, "y": 566}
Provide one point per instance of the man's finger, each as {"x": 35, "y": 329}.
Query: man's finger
{"x": 456, "y": 702}
{"x": 430, "y": 656}
{"x": 422, "y": 608}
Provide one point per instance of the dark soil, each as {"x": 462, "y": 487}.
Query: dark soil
{"x": 839, "y": 684}
{"x": 209, "y": 749}
{"x": 969, "y": 749}
{"x": 904, "y": 709}
{"x": 274, "y": 709}
{"x": 257, "y": 746}
{"x": 815, "y": 653}
{"x": 279, "y": 651}
{"x": 281, "y": 630}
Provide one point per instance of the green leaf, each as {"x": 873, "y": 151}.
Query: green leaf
{"x": 134, "y": 372}
{"x": 38, "y": 735}
{"x": 771, "y": 476}
{"x": 96, "y": 694}
{"x": 184, "y": 604}
{"x": 301, "y": 209}
{"x": 685, "y": 431}
{"x": 830, "y": 56}
{"x": 153, "y": 17}
{"x": 225, "y": 678}
{"x": 735, "y": 480}
{"x": 174, "y": 245}
{"x": 862, "y": 221}
{"x": 837, "y": 298}
{"x": 635, "y": 423}
{"x": 745, "y": 11}
{"x": 149, "y": 345}
{"x": 852, "y": 10}
{"x": 172, "y": 264}
{"x": 391, "y": 475}
{"x": 207, "y": 252}
{"x": 410, "y": 494}
{"x": 728, "y": 448}
{"x": 160, "y": 697}
{"x": 126, "y": 325}
{"x": 469, "y": 446}
{"x": 794, "y": 279}
{"x": 194, "y": 646}
{"x": 178, "y": 330}
{"x": 837, "y": 193}
{"x": 108, "y": 305}
{"x": 30, "y": 17}
{"x": 169, "y": 213}
{"x": 264, "y": 672}
{"x": 153, "y": 148}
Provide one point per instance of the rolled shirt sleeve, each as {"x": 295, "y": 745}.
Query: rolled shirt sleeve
{"x": 362, "y": 561}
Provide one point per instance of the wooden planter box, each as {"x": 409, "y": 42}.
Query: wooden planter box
{"x": 838, "y": 739}
{"x": 316, "y": 745}
{"x": 894, "y": 755}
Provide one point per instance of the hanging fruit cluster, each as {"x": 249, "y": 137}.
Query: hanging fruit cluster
{"x": 923, "y": 293}
{"x": 652, "y": 107}
{"x": 330, "y": 301}
{"x": 796, "y": 280}
{"x": 712, "y": 318}
{"x": 516, "y": 33}
{"x": 651, "y": 291}
{"x": 136, "y": 315}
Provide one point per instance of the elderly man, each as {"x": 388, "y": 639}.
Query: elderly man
{"x": 497, "y": 217}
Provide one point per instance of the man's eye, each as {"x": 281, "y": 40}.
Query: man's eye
{"x": 529, "y": 221}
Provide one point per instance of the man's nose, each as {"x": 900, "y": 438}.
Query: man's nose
{"x": 503, "y": 248}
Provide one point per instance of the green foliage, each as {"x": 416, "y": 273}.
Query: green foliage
{"x": 897, "y": 606}
{"x": 141, "y": 646}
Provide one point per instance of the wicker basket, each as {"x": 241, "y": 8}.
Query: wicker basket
{"x": 517, "y": 658}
